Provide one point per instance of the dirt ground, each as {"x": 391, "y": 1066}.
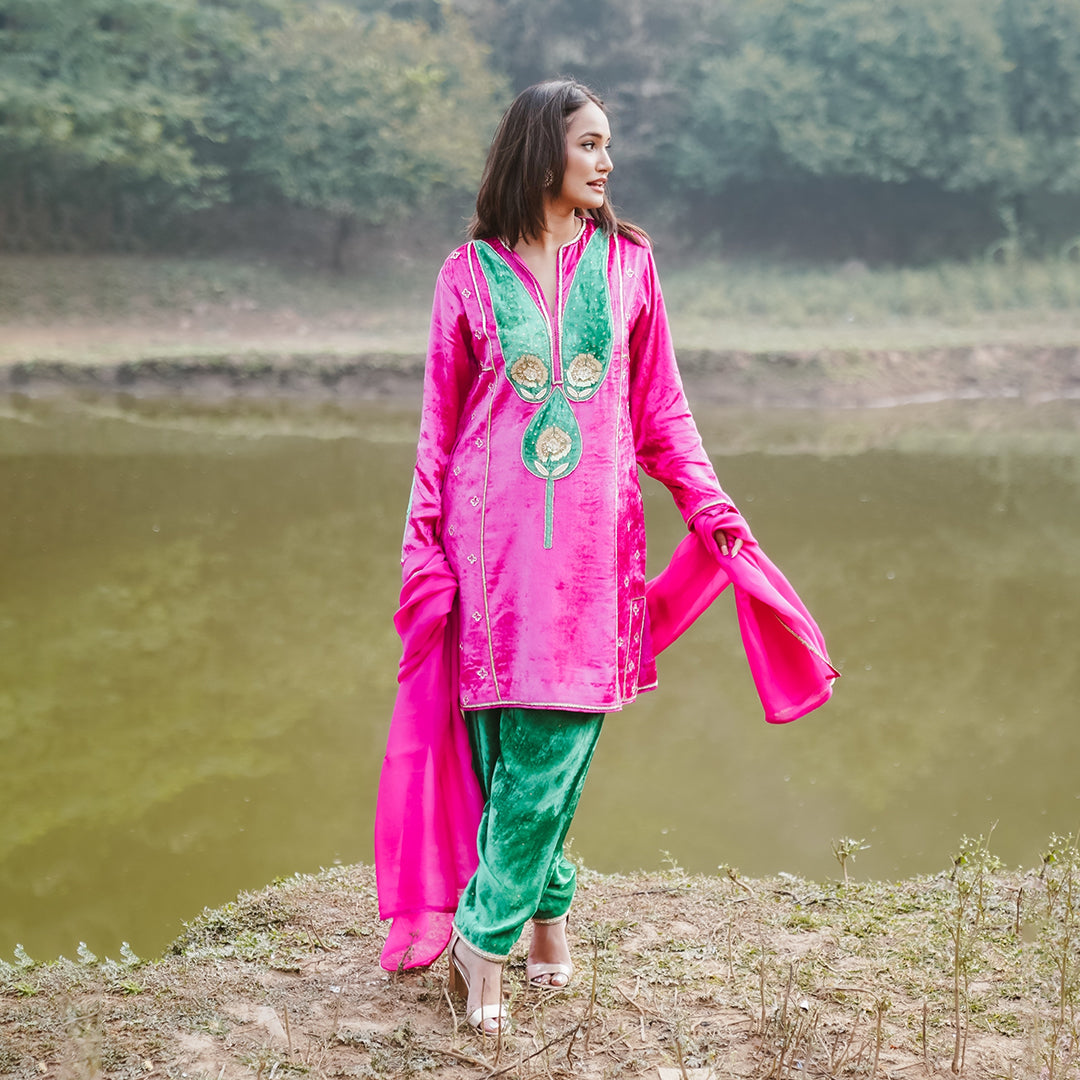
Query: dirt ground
{"x": 678, "y": 976}
{"x": 226, "y": 351}
{"x": 821, "y": 379}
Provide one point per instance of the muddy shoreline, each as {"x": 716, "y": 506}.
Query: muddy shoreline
{"x": 830, "y": 379}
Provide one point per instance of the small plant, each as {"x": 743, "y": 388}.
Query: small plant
{"x": 1061, "y": 878}
{"x": 881, "y": 1007}
{"x": 128, "y": 956}
{"x": 671, "y": 866}
{"x": 846, "y": 848}
{"x": 971, "y": 868}
{"x": 978, "y": 862}
{"x": 732, "y": 874}
{"x": 960, "y": 971}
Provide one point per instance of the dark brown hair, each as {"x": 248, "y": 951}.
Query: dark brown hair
{"x": 529, "y": 144}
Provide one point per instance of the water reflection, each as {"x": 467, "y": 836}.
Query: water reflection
{"x": 197, "y": 661}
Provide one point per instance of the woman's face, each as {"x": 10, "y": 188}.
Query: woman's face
{"x": 588, "y": 137}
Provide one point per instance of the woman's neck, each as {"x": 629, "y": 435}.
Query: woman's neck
{"x": 560, "y": 227}
{"x": 541, "y": 253}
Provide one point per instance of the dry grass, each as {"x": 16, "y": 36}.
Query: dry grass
{"x": 115, "y": 308}
{"x": 708, "y": 977}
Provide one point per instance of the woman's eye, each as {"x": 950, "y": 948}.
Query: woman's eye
{"x": 589, "y": 145}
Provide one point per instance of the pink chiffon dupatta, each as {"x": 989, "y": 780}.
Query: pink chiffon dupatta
{"x": 429, "y": 802}
{"x": 784, "y": 647}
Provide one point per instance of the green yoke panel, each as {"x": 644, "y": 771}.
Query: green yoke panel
{"x": 587, "y": 324}
{"x": 523, "y": 331}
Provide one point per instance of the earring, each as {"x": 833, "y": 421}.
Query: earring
{"x": 549, "y": 178}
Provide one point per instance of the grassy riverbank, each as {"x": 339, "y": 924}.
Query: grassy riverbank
{"x": 973, "y": 971}
{"x": 746, "y": 334}
{"x": 113, "y": 308}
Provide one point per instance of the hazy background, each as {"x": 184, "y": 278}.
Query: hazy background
{"x": 898, "y": 132}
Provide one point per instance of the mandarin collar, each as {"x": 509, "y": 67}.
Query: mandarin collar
{"x": 584, "y": 233}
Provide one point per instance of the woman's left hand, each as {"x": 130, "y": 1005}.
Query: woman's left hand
{"x": 723, "y": 531}
{"x": 721, "y": 538}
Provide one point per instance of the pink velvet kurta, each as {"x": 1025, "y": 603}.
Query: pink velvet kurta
{"x": 534, "y": 424}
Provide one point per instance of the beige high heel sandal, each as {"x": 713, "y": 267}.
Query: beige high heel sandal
{"x": 486, "y": 1019}
{"x": 535, "y": 972}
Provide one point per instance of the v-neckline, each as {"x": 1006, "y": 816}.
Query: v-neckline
{"x": 549, "y": 311}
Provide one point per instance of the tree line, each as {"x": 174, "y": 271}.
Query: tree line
{"x": 892, "y": 130}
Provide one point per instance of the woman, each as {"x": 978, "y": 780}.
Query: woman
{"x": 550, "y": 378}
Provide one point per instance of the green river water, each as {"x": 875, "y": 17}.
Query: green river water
{"x": 197, "y": 661}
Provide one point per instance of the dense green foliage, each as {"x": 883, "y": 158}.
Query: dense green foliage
{"x": 98, "y": 99}
{"x": 116, "y": 112}
{"x": 895, "y": 131}
{"x": 361, "y": 117}
{"x": 855, "y": 88}
{"x": 889, "y": 111}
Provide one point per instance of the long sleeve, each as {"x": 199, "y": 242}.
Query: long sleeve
{"x": 448, "y": 374}
{"x": 666, "y": 438}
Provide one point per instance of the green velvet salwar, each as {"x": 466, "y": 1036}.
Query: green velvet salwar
{"x": 531, "y": 765}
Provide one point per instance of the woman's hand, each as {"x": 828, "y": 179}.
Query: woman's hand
{"x": 721, "y": 538}
{"x": 723, "y": 531}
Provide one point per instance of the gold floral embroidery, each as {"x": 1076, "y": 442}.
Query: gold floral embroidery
{"x": 530, "y": 371}
{"x": 585, "y": 370}
{"x": 553, "y": 444}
